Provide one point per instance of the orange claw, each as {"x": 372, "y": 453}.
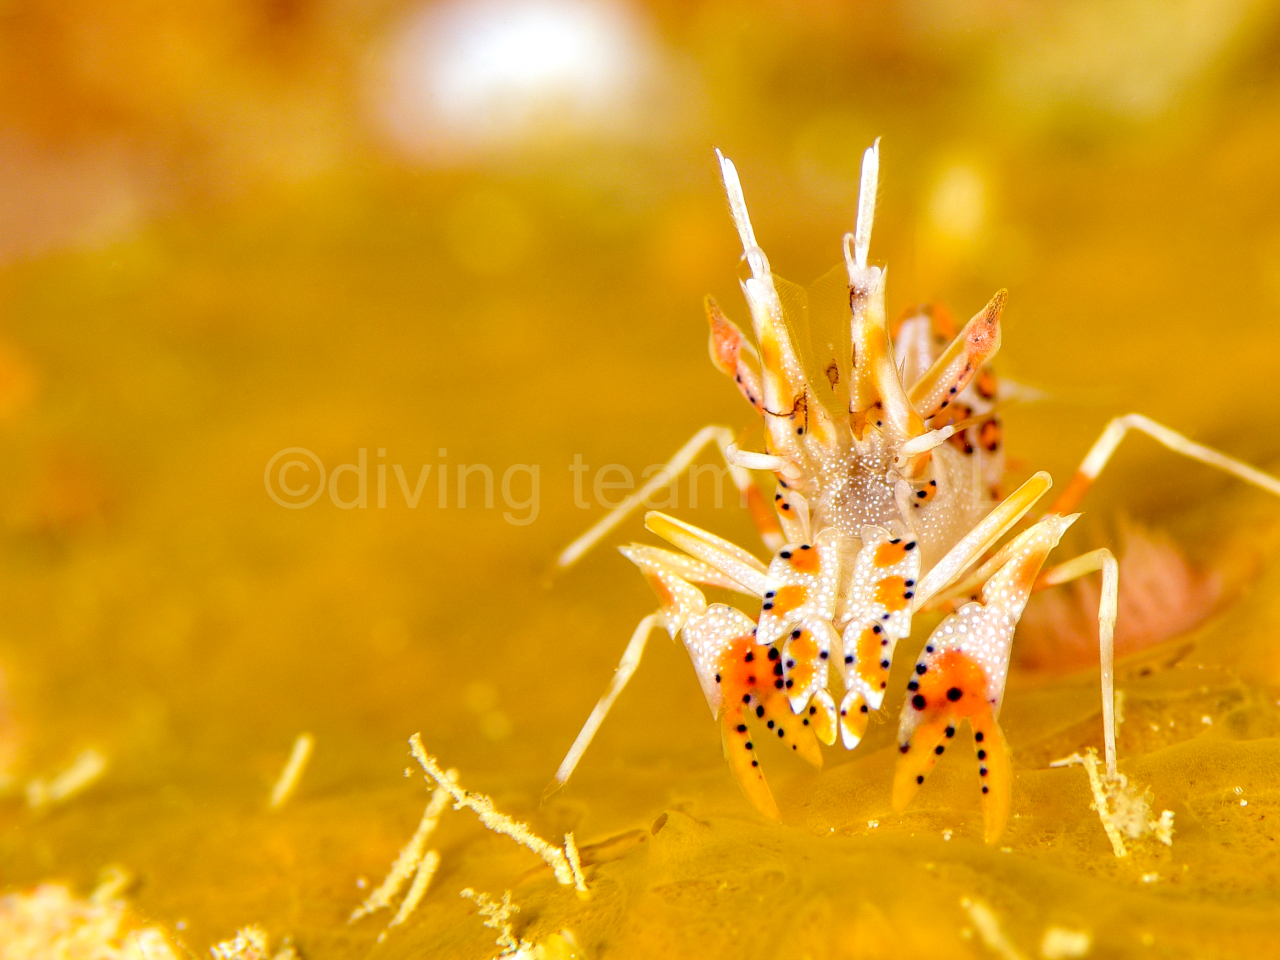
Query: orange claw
{"x": 747, "y": 677}
{"x": 956, "y": 366}
{"x": 733, "y": 355}
{"x": 739, "y": 751}
{"x": 961, "y": 675}
{"x": 929, "y": 741}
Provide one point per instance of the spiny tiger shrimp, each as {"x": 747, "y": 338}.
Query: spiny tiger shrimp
{"x": 885, "y": 444}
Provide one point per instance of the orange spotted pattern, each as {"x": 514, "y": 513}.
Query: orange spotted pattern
{"x": 805, "y": 559}
{"x": 872, "y": 657}
{"x": 925, "y": 494}
{"x": 788, "y": 598}
{"x": 753, "y": 692}
{"x": 802, "y": 658}
{"x": 891, "y": 552}
{"x": 893, "y": 593}
{"x": 953, "y": 688}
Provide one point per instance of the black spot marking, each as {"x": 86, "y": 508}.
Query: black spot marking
{"x": 750, "y": 745}
{"x": 773, "y": 653}
{"x": 717, "y": 678}
{"x": 812, "y": 710}
{"x": 755, "y": 763}
{"x": 921, "y": 668}
{"x": 790, "y": 664}
{"x": 864, "y": 708}
{"x": 746, "y": 698}
{"x": 795, "y": 634}
{"x": 750, "y": 656}
{"x": 742, "y": 728}
{"x": 904, "y": 748}
{"x": 760, "y": 711}
{"x": 978, "y": 736}
{"x": 848, "y": 658}
{"x": 770, "y": 724}
{"x": 918, "y": 701}
{"x": 876, "y": 628}
{"x": 920, "y": 778}
{"x": 777, "y": 684}
{"x": 982, "y": 754}
{"x": 805, "y": 546}
{"x": 767, "y": 606}
{"x": 785, "y": 554}
{"x": 777, "y": 669}
{"x": 789, "y": 683}
{"x": 781, "y": 733}
{"x": 982, "y": 771}
{"x": 984, "y": 788}
{"x": 823, "y": 654}
{"x": 954, "y": 694}
{"x": 884, "y": 664}
{"x": 913, "y": 685}
{"x": 951, "y": 731}
{"x": 939, "y": 749}
{"x": 910, "y": 546}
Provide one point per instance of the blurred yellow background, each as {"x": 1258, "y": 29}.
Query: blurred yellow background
{"x": 480, "y": 233}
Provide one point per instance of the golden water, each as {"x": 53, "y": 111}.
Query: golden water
{"x": 160, "y": 607}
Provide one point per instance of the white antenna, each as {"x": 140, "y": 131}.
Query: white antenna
{"x": 738, "y": 210}
{"x": 866, "y": 209}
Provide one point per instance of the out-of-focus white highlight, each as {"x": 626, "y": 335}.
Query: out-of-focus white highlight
{"x": 463, "y": 77}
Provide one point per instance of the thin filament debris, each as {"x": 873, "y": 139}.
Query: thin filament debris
{"x": 294, "y": 767}
{"x": 1124, "y": 811}
{"x": 409, "y": 860}
{"x": 555, "y": 857}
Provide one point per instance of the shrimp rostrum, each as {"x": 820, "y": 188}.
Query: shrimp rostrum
{"x": 886, "y": 449}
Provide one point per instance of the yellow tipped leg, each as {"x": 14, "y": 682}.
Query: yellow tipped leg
{"x": 919, "y": 754}
{"x": 996, "y": 772}
{"x": 853, "y": 719}
{"x": 822, "y": 717}
{"x": 740, "y": 752}
{"x": 930, "y": 740}
{"x": 804, "y": 740}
